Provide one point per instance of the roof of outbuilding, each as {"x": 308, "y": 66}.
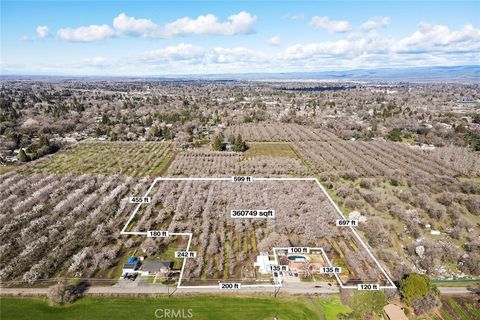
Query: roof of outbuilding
{"x": 130, "y": 265}
{"x": 394, "y": 312}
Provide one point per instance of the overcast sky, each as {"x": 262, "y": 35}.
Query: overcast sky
{"x": 180, "y": 37}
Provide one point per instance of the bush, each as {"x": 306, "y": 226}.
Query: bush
{"x": 60, "y": 293}
{"x": 395, "y": 134}
{"x": 413, "y": 286}
{"x": 418, "y": 292}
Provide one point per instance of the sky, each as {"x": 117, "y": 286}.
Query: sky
{"x": 154, "y": 38}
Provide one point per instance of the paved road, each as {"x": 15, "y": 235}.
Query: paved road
{"x": 301, "y": 288}
{"x": 454, "y": 290}
{"x": 292, "y": 288}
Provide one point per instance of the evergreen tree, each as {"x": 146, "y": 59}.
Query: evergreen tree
{"x": 415, "y": 286}
{"x": 22, "y": 156}
{"x": 217, "y": 143}
{"x": 239, "y": 145}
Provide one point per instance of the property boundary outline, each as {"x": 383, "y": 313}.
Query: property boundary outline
{"x": 190, "y": 235}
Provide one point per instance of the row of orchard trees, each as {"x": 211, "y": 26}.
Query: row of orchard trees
{"x": 204, "y": 163}
{"x": 413, "y": 188}
{"x": 51, "y": 223}
{"x": 372, "y": 158}
{"x": 279, "y": 132}
{"x": 303, "y": 217}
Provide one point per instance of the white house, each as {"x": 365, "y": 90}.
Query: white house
{"x": 262, "y": 262}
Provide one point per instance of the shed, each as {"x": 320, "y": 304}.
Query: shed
{"x": 132, "y": 265}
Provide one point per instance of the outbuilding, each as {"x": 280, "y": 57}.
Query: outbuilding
{"x": 394, "y": 312}
{"x": 132, "y": 265}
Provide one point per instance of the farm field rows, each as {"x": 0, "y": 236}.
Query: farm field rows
{"x": 206, "y": 163}
{"x": 458, "y": 308}
{"x": 409, "y": 197}
{"x": 398, "y": 190}
{"x": 66, "y": 225}
{"x": 286, "y": 132}
{"x": 226, "y": 247}
{"x": 76, "y": 192}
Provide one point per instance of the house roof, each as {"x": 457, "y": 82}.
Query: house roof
{"x": 153, "y": 266}
{"x": 394, "y": 312}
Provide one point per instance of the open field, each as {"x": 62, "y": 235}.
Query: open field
{"x": 136, "y": 159}
{"x": 201, "y": 307}
{"x": 227, "y": 247}
{"x": 269, "y": 149}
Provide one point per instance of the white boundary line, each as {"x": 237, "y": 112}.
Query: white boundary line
{"x": 190, "y": 235}
{"x": 392, "y": 285}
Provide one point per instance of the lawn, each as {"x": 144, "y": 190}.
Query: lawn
{"x": 199, "y": 307}
{"x": 137, "y": 159}
{"x": 270, "y": 149}
{"x": 5, "y": 169}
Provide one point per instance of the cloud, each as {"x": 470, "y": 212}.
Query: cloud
{"x": 86, "y": 34}
{"x": 236, "y": 55}
{"x": 130, "y": 25}
{"x": 434, "y": 38}
{"x": 42, "y": 32}
{"x": 240, "y": 23}
{"x": 180, "y": 52}
{"x": 375, "y": 23}
{"x": 188, "y": 53}
{"x": 430, "y": 44}
{"x": 274, "y": 41}
{"x": 345, "y": 47}
{"x": 333, "y": 26}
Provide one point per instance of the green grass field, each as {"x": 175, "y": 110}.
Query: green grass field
{"x": 199, "y": 307}
{"x": 136, "y": 159}
{"x": 271, "y": 149}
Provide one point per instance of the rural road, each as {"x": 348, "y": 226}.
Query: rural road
{"x": 155, "y": 289}
{"x": 454, "y": 290}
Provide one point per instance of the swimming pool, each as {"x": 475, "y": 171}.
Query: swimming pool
{"x": 297, "y": 258}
